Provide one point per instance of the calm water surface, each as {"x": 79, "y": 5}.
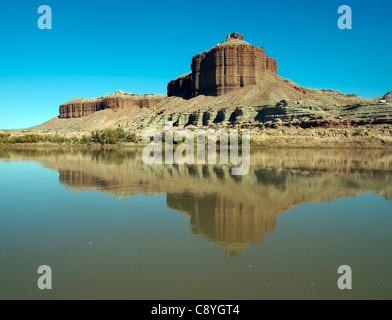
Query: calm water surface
{"x": 112, "y": 227}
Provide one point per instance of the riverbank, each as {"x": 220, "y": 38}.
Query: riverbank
{"x": 356, "y": 137}
{"x": 360, "y": 137}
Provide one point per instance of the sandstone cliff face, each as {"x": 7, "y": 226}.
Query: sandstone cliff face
{"x": 81, "y": 107}
{"x": 228, "y": 66}
{"x": 78, "y": 109}
{"x": 180, "y": 86}
{"x": 271, "y": 65}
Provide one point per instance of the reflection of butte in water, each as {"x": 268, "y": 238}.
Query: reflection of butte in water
{"x": 231, "y": 211}
{"x": 230, "y": 223}
{"x": 230, "y": 220}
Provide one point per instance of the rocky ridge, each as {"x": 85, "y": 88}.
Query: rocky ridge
{"x": 81, "y": 107}
{"x": 231, "y": 84}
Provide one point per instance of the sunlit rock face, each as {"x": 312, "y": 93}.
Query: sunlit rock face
{"x": 229, "y": 65}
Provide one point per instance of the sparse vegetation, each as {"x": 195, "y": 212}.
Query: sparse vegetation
{"x": 110, "y": 136}
{"x": 106, "y": 136}
{"x": 33, "y": 138}
{"x": 86, "y": 140}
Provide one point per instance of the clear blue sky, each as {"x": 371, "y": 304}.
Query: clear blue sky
{"x": 98, "y": 47}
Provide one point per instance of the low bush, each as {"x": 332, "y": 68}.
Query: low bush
{"x": 112, "y": 136}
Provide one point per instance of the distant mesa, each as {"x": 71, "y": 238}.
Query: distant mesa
{"x": 81, "y": 107}
{"x": 229, "y": 65}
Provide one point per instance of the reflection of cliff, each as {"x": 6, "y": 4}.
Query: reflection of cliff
{"x": 233, "y": 212}
{"x": 230, "y": 223}
{"x": 69, "y": 177}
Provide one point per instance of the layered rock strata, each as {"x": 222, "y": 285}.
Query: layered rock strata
{"x": 229, "y": 65}
{"x": 80, "y": 107}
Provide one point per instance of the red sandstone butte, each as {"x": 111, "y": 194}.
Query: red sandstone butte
{"x": 229, "y": 65}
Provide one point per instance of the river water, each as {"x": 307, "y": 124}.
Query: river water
{"x": 111, "y": 227}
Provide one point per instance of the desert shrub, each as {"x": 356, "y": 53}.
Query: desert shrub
{"x": 106, "y": 136}
{"x": 56, "y": 138}
{"x": 112, "y": 136}
{"x": 96, "y": 136}
{"x": 4, "y": 138}
{"x": 4, "y": 135}
{"x": 28, "y": 138}
{"x": 86, "y": 140}
{"x": 74, "y": 139}
{"x": 34, "y": 138}
{"x": 132, "y": 137}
